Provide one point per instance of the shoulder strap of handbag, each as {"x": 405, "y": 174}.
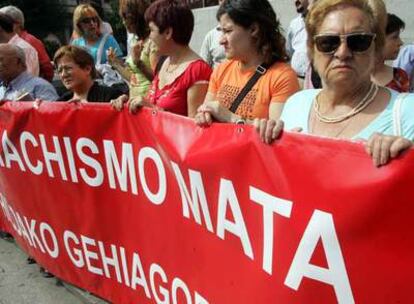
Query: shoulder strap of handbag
{"x": 396, "y": 114}
{"x": 260, "y": 70}
{"x": 101, "y": 48}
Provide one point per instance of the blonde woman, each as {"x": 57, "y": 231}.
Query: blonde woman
{"x": 87, "y": 23}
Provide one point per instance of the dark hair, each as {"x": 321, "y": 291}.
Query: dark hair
{"x": 79, "y": 55}
{"x": 134, "y": 10}
{"x": 175, "y": 14}
{"x": 394, "y": 23}
{"x": 6, "y": 23}
{"x": 270, "y": 41}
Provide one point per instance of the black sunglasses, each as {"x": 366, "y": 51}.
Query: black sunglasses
{"x": 356, "y": 42}
{"x": 88, "y": 20}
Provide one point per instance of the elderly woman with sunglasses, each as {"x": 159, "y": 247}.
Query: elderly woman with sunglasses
{"x": 388, "y": 76}
{"x": 344, "y": 40}
{"x": 87, "y": 23}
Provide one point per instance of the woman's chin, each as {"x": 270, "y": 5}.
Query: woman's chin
{"x": 229, "y": 54}
{"x": 70, "y": 86}
{"x": 342, "y": 78}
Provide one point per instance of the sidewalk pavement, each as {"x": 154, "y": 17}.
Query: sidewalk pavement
{"x": 21, "y": 283}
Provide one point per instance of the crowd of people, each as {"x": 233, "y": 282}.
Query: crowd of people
{"x": 328, "y": 77}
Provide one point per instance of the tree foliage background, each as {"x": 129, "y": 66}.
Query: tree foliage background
{"x": 55, "y": 16}
{"x": 43, "y": 16}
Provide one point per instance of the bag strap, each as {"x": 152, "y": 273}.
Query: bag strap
{"x": 101, "y": 48}
{"x": 260, "y": 70}
{"x": 396, "y": 114}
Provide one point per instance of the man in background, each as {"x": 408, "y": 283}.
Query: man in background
{"x": 211, "y": 50}
{"x": 16, "y": 83}
{"x": 405, "y": 61}
{"x": 296, "y": 39}
{"x": 45, "y": 65}
{"x": 8, "y": 35}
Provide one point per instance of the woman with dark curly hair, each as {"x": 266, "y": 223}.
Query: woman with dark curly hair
{"x": 253, "y": 41}
{"x": 142, "y": 55}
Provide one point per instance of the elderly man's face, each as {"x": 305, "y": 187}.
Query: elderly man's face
{"x": 10, "y": 64}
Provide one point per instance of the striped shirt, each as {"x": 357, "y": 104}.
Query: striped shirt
{"x": 32, "y": 60}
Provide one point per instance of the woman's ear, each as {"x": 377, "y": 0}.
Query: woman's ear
{"x": 168, "y": 33}
{"x": 254, "y": 30}
{"x": 88, "y": 68}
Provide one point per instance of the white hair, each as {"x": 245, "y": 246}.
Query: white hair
{"x": 18, "y": 51}
{"x": 13, "y": 12}
{"x": 20, "y": 54}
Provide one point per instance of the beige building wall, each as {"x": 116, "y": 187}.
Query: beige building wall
{"x": 205, "y": 18}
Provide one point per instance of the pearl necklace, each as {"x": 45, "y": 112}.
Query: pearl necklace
{"x": 368, "y": 98}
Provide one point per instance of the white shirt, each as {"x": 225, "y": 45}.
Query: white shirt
{"x": 131, "y": 40}
{"x": 296, "y": 45}
{"x": 32, "y": 60}
{"x": 211, "y": 49}
{"x": 405, "y": 61}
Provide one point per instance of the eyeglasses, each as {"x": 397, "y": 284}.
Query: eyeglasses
{"x": 125, "y": 15}
{"x": 88, "y": 20}
{"x": 64, "y": 69}
{"x": 356, "y": 42}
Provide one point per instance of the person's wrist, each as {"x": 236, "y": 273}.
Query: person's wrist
{"x": 241, "y": 121}
{"x": 235, "y": 118}
{"x": 139, "y": 63}
{"x": 114, "y": 63}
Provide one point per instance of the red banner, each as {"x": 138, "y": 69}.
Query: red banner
{"x": 151, "y": 208}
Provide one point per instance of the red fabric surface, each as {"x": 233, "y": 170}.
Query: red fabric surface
{"x": 331, "y": 186}
{"x": 172, "y": 97}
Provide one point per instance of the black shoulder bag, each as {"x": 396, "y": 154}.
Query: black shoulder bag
{"x": 260, "y": 70}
